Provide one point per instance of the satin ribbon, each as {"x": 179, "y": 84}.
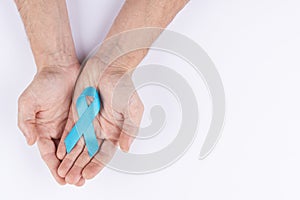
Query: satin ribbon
{"x": 84, "y": 125}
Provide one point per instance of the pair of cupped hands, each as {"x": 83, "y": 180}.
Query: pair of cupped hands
{"x": 47, "y": 112}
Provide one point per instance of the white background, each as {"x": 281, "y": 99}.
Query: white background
{"x": 255, "y": 45}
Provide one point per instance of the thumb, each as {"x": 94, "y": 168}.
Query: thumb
{"x": 132, "y": 120}
{"x": 27, "y": 119}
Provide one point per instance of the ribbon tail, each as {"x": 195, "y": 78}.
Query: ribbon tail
{"x": 71, "y": 139}
{"x": 91, "y": 141}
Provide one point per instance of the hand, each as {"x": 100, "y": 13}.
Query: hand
{"x": 117, "y": 123}
{"x": 43, "y": 111}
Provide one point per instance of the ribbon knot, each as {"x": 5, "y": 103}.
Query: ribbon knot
{"x": 84, "y": 126}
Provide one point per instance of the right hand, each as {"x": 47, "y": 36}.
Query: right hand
{"x": 43, "y": 111}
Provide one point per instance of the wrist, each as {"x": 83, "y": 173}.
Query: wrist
{"x": 49, "y": 33}
{"x": 69, "y": 71}
{"x": 109, "y": 62}
{"x": 129, "y": 61}
{"x": 58, "y": 60}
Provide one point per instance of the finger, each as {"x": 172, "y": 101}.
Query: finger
{"x": 92, "y": 169}
{"x": 105, "y": 154}
{"x": 47, "y": 151}
{"x": 69, "y": 160}
{"x": 74, "y": 174}
{"x": 107, "y": 131}
{"x": 26, "y": 118}
{"x": 80, "y": 182}
{"x": 61, "y": 149}
{"x": 132, "y": 119}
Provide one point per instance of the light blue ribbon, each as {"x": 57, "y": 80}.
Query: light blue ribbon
{"x": 84, "y": 126}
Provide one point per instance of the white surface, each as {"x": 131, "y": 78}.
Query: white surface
{"x": 255, "y": 45}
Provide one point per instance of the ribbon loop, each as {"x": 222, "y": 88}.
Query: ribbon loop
{"x": 84, "y": 125}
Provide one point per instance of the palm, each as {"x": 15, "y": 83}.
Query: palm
{"x": 43, "y": 112}
{"x": 53, "y": 100}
